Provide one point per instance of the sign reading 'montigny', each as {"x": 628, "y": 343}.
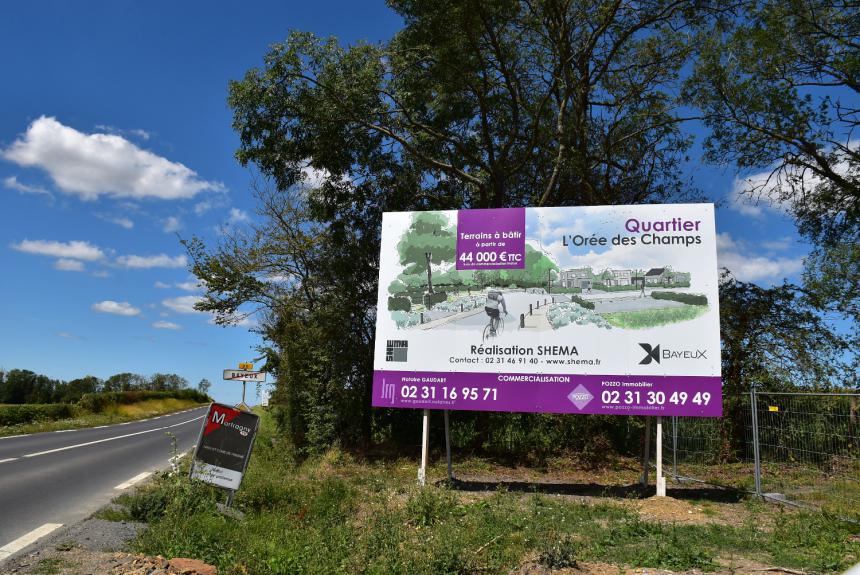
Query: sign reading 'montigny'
{"x": 609, "y": 310}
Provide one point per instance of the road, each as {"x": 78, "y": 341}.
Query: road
{"x": 57, "y": 478}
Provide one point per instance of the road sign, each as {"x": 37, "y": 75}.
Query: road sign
{"x": 246, "y": 366}
{"x": 224, "y": 446}
{"x": 264, "y": 397}
{"x": 243, "y": 375}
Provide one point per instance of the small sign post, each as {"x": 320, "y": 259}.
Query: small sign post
{"x": 224, "y": 447}
{"x": 244, "y": 376}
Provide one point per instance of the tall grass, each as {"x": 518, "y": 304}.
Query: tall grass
{"x": 334, "y": 514}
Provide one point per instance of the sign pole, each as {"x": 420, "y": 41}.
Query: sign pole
{"x": 448, "y": 447}
{"x": 243, "y": 392}
{"x": 425, "y": 447}
{"x": 661, "y": 481}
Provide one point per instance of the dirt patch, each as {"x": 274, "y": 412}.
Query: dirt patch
{"x": 80, "y": 561}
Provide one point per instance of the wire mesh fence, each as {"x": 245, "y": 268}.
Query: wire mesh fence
{"x": 803, "y": 448}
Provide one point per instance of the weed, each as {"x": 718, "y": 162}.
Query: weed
{"x": 560, "y": 554}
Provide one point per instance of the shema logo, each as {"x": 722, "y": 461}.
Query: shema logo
{"x": 224, "y": 417}
{"x": 580, "y": 397}
{"x": 652, "y": 353}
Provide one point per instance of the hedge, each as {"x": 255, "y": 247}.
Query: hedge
{"x": 431, "y": 299}
{"x": 687, "y": 298}
{"x": 97, "y": 402}
{"x": 583, "y": 302}
{"x": 29, "y": 412}
{"x": 399, "y": 303}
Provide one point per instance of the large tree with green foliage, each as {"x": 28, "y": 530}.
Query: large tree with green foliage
{"x": 429, "y": 240}
{"x": 779, "y": 86}
{"x": 471, "y": 104}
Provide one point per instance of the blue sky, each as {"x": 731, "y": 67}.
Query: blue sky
{"x": 115, "y": 137}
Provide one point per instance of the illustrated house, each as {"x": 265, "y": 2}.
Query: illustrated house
{"x": 658, "y": 276}
{"x": 575, "y": 278}
{"x": 618, "y": 277}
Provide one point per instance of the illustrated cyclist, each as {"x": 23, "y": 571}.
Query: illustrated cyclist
{"x": 494, "y": 300}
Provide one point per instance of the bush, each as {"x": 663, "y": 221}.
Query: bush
{"x": 687, "y": 298}
{"x": 431, "y": 299}
{"x": 560, "y": 554}
{"x": 399, "y": 304}
{"x": 97, "y": 402}
{"x": 583, "y": 302}
{"x": 27, "y": 413}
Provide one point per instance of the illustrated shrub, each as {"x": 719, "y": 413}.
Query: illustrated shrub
{"x": 432, "y": 299}
{"x": 404, "y": 319}
{"x": 399, "y": 303}
{"x": 562, "y": 314}
{"x": 687, "y": 298}
{"x": 583, "y": 302}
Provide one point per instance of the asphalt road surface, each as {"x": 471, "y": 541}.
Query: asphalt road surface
{"x": 56, "y": 478}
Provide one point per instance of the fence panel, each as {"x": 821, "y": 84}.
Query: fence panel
{"x": 808, "y": 444}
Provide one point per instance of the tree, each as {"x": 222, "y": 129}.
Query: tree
{"x": 779, "y": 88}
{"x": 203, "y": 386}
{"x": 428, "y": 240}
{"x": 124, "y": 382}
{"x": 772, "y": 338}
{"x": 76, "y": 388}
{"x": 470, "y": 105}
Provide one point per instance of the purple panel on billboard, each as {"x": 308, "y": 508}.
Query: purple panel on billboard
{"x": 692, "y": 396}
{"x": 491, "y": 239}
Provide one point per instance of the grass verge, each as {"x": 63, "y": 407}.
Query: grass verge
{"x": 112, "y": 414}
{"x": 334, "y": 514}
{"x": 640, "y": 319}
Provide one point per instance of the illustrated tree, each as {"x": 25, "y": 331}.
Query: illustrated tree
{"x": 428, "y": 240}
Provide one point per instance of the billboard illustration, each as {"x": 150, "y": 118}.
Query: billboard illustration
{"x": 605, "y": 309}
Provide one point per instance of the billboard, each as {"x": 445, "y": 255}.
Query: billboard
{"x": 224, "y": 446}
{"x": 605, "y": 309}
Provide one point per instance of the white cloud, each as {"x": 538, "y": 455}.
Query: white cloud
{"x": 115, "y": 307}
{"x": 182, "y": 304}
{"x": 91, "y": 165}
{"x": 13, "y": 184}
{"x": 779, "y": 245}
{"x": 161, "y": 285}
{"x": 122, "y": 222}
{"x": 735, "y": 256}
{"x": 68, "y": 265}
{"x": 68, "y": 335}
{"x": 78, "y": 250}
{"x": 189, "y": 286}
{"x": 201, "y": 208}
{"x": 760, "y": 192}
{"x": 172, "y": 224}
{"x": 166, "y": 325}
{"x": 156, "y": 261}
{"x": 101, "y": 274}
{"x": 237, "y": 216}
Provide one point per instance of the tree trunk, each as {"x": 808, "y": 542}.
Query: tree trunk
{"x": 429, "y": 273}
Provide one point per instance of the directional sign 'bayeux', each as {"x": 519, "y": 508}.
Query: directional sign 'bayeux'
{"x": 242, "y": 375}
{"x": 224, "y": 446}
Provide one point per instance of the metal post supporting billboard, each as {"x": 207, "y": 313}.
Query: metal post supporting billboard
{"x": 425, "y": 447}
{"x": 661, "y": 481}
{"x": 448, "y": 447}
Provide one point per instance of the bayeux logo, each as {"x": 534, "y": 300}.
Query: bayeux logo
{"x": 221, "y": 417}
{"x": 652, "y": 353}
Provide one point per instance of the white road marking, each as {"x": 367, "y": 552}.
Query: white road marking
{"x": 99, "y": 426}
{"x": 27, "y": 539}
{"x": 63, "y": 430}
{"x": 11, "y": 436}
{"x": 133, "y": 480}
{"x": 110, "y": 438}
{"x": 8, "y": 459}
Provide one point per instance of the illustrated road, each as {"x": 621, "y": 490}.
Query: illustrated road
{"x": 56, "y": 478}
